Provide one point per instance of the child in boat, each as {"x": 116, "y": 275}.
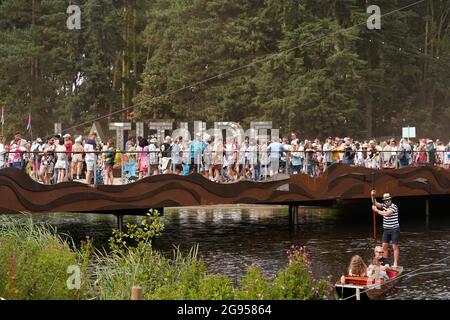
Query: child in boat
{"x": 357, "y": 267}
{"x": 376, "y": 270}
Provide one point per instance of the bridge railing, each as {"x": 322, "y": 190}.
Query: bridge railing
{"x": 220, "y": 165}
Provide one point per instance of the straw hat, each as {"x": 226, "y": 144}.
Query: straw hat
{"x": 386, "y": 196}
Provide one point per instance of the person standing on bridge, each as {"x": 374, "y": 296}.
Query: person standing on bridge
{"x": 391, "y": 226}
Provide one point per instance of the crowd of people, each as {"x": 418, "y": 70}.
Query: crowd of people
{"x": 60, "y": 158}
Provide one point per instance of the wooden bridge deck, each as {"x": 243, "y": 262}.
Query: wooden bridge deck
{"x": 19, "y": 193}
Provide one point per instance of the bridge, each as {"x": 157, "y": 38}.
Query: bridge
{"x": 19, "y": 193}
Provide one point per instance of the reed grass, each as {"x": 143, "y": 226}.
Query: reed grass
{"x": 34, "y": 262}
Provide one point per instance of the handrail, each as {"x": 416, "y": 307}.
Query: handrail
{"x": 213, "y": 151}
{"x": 254, "y": 164}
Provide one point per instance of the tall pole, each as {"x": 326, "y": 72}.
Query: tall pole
{"x": 373, "y": 211}
{"x": 374, "y": 227}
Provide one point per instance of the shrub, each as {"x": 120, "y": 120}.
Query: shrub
{"x": 137, "y": 235}
{"x": 189, "y": 281}
{"x": 296, "y": 281}
{"x": 254, "y": 285}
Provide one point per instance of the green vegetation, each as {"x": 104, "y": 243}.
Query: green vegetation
{"x": 34, "y": 262}
{"x": 37, "y": 260}
{"x": 339, "y": 80}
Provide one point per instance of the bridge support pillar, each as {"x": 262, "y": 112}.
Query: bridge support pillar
{"x": 427, "y": 212}
{"x": 119, "y": 221}
{"x": 293, "y": 214}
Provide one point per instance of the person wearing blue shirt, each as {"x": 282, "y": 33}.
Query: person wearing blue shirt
{"x": 275, "y": 149}
{"x": 196, "y": 149}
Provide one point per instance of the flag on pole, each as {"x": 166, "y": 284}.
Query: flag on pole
{"x": 29, "y": 123}
{"x": 2, "y": 120}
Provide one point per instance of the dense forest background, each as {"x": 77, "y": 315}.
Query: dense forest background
{"x": 331, "y": 79}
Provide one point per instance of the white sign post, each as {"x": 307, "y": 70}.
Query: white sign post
{"x": 409, "y": 132}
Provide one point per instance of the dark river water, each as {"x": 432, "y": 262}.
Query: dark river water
{"x": 231, "y": 239}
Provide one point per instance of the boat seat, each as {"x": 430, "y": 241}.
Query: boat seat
{"x": 362, "y": 281}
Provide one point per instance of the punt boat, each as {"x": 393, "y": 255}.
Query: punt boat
{"x": 365, "y": 288}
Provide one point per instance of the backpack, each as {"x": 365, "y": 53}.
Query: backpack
{"x": 109, "y": 156}
{"x": 401, "y": 154}
{"x": 118, "y": 158}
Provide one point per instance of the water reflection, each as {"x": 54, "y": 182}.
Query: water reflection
{"x": 231, "y": 239}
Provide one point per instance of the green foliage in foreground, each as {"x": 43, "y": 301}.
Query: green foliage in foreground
{"x": 36, "y": 260}
{"x": 185, "y": 278}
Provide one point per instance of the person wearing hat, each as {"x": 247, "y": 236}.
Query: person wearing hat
{"x": 68, "y": 144}
{"x": 153, "y": 156}
{"x": 391, "y": 226}
{"x": 35, "y": 158}
{"x": 166, "y": 154}
{"x": 77, "y": 158}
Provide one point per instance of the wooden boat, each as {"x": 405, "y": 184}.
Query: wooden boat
{"x": 365, "y": 288}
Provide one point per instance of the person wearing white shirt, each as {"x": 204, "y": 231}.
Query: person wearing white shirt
{"x": 327, "y": 153}
{"x": 61, "y": 163}
{"x": 2, "y": 152}
{"x": 275, "y": 149}
{"x": 90, "y": 145}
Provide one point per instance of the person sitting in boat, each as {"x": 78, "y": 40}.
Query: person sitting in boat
{"x": 384, "y": 262}
{"x": 377, "y": 271}
{"x": 357, "y": 267}
{"x": 378, "y": 254}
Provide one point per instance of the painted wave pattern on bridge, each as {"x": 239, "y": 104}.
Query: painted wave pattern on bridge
{"x": 19, "y": 193}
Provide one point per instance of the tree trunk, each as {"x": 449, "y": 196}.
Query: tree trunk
{"x": 125, "y": 73}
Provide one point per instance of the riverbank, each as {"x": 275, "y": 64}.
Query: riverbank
{"x": 232, "y": 239}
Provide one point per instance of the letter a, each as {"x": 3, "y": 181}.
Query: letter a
{"x": 74, "y": 281}
{"x": 374, "y": 21}
{"x": 74, "y": 20}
